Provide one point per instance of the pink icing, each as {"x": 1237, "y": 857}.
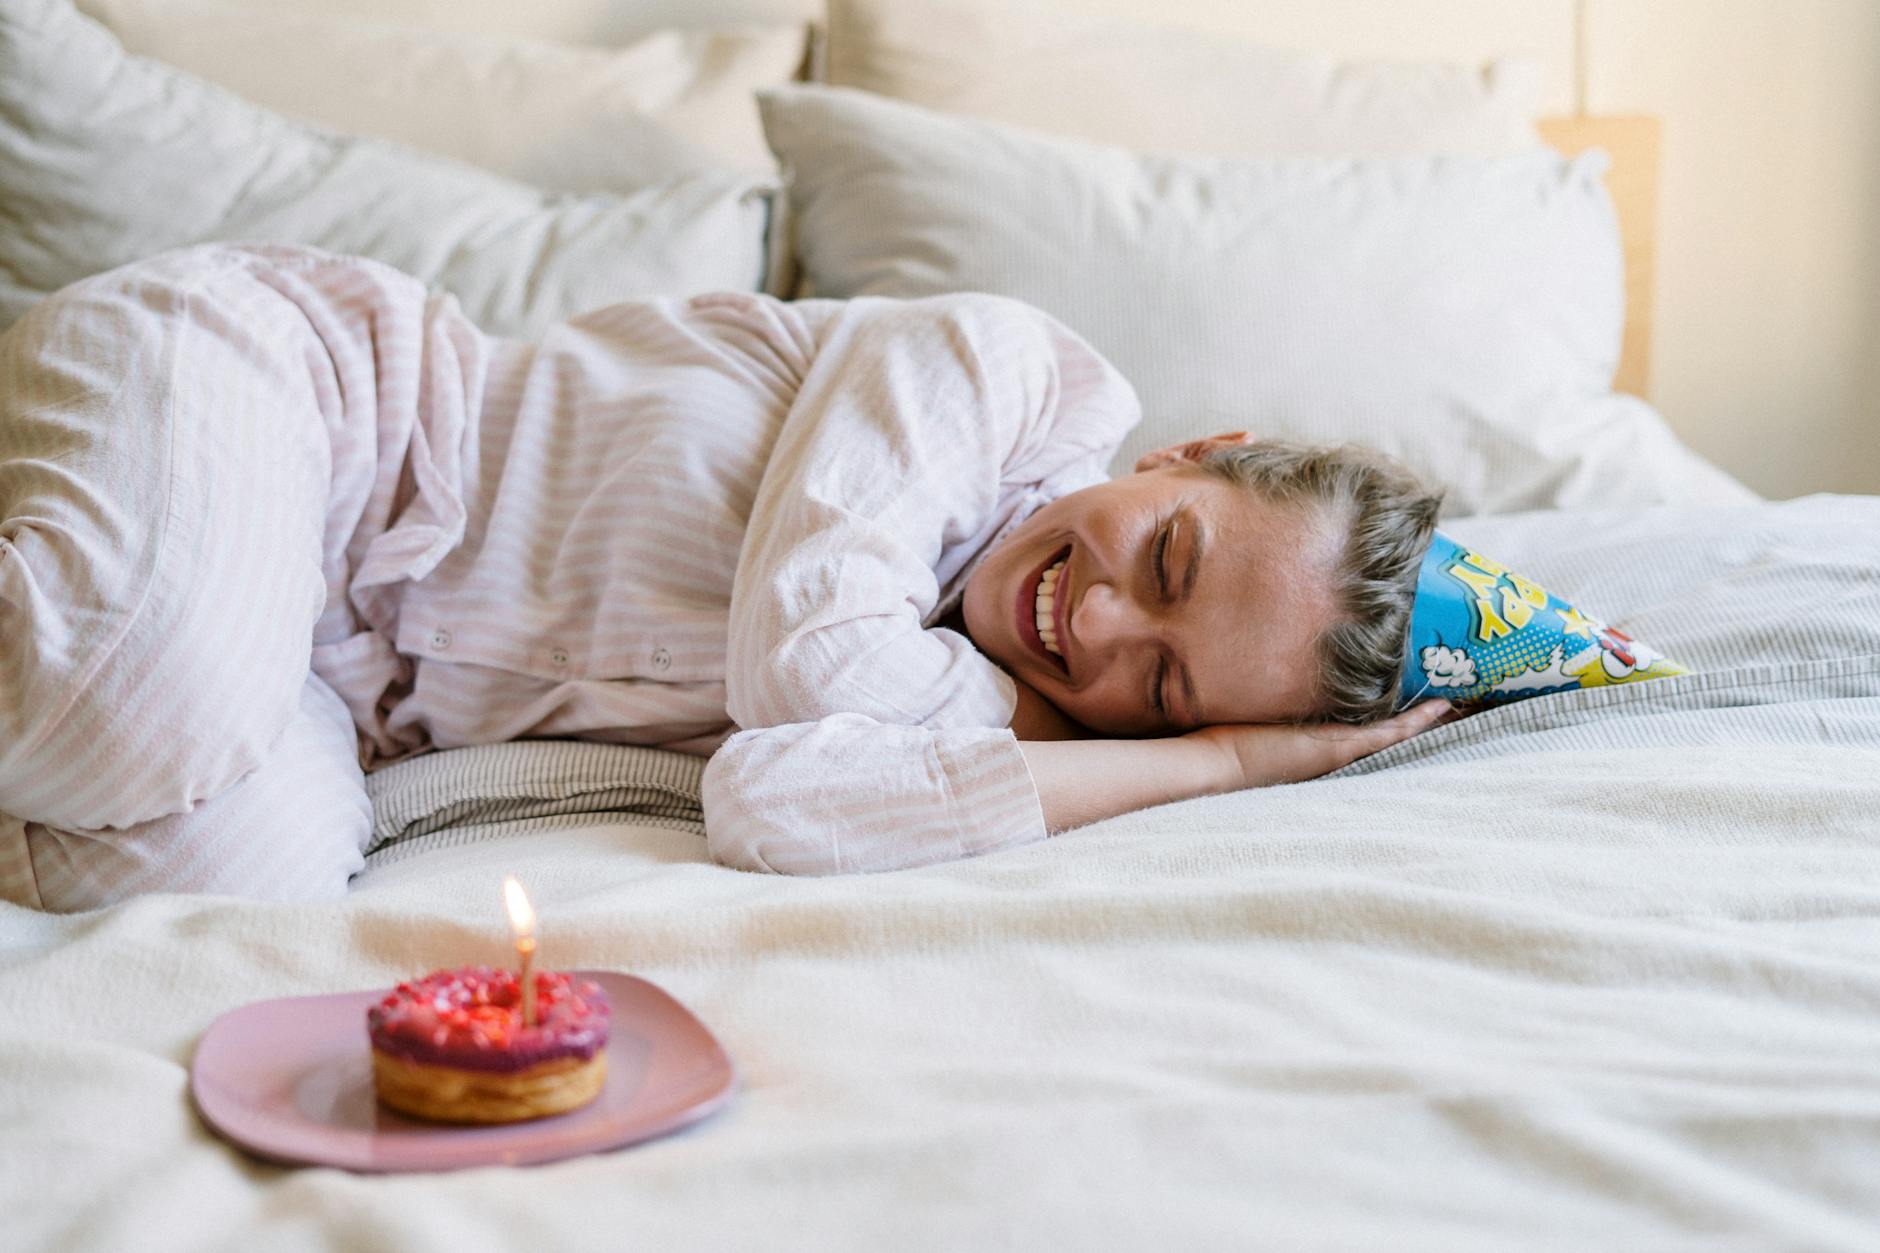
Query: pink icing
{"x": 471, "y": 1018}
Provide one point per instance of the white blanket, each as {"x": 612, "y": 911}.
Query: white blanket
{"x": 1597, "y": 971}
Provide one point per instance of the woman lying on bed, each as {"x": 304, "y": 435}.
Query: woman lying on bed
{"x": 267, "y": 514}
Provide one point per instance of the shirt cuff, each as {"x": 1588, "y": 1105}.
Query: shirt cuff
{"x": 990, "y": 791}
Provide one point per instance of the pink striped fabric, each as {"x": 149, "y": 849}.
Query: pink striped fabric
{"x": 724, "y": 525}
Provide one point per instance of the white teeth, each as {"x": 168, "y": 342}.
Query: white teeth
{"x": 1046, "y": 606}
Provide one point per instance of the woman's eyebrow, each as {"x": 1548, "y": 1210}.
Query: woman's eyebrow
{"x": 1194, "y": 552}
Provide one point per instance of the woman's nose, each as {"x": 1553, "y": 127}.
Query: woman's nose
{"x": 1106, "y": 618}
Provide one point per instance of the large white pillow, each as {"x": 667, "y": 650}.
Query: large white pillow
{"x": 1463, "y": 314}
{"x": 590, "y": 23}
{"x": 560, "y": 117}
{"x": 106, "y": 157}
{"x": 1060, "y": 68}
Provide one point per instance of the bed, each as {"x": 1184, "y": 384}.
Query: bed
{"x": 1598, "y": 969}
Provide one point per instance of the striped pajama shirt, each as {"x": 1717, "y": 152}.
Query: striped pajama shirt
{"x": 271, "y": 517}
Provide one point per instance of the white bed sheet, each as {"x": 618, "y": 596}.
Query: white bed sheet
{"x": 1597, "y": 971}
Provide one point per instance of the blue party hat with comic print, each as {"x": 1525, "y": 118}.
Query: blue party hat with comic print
{"x": 1481, "y": 632}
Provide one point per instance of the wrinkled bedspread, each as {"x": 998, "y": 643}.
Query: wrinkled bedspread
{"x": 1601, "y": 970}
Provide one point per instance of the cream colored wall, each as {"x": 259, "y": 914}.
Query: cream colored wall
{"x": 1766, "y": 351}
{"x": 1768, "y": 334}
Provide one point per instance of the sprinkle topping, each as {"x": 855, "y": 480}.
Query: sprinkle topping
{"x": 472, "y": 1017}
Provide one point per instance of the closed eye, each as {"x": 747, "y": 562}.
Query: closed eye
{"x": 1160, "y": 564}
{"x": 1161, "y": 582}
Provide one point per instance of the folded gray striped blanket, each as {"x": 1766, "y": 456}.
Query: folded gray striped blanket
{"x": 469, "y": 794}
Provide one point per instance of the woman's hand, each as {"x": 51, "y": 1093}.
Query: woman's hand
{"x": 1036, "y": 718}
{"x": 1280, "y": 753}
{"x": 1096, "y": 778}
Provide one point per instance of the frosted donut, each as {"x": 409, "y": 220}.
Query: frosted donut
{"x": 451, "y": 1046}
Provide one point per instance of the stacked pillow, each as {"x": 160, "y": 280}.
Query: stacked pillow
{"x": 1377, "y": 253}
{"x": 585, "y": 23}
{"x": 1062, "y": 69}
{"x": 106, "y": 157}
{"x": 559, "y": 116}
{"x": 1325, "y": 249}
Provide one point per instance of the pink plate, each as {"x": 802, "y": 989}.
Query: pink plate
{"x": 291, "y": 1080}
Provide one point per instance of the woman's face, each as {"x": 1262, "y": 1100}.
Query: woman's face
{"x": 1222, "y": 629}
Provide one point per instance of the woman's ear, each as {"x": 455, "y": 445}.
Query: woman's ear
{"x": 1193, "y": 450}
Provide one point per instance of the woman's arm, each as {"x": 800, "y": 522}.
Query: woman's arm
{"x": 914, "y": 420}
{"x": 1082, "y": 781}
{"x": 849, "y": 793}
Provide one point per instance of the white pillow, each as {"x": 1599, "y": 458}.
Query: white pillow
{"x": 1462, "y": 314}
{"x": 1109, "y": 79}
{"x": 107, "y": 157}
{"x": 563, "y": 118}
{"x": 589, "y": 23}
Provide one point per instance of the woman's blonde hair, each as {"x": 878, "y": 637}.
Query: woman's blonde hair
{"x": 1388, "y": 516}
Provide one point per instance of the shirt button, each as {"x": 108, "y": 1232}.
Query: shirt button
{"x": 440, "y": 638}
{"x": 661, "y": 659}
{"x": 559, "y": 657}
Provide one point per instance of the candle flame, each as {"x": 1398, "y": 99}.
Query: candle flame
{"x": 521, "y": 914}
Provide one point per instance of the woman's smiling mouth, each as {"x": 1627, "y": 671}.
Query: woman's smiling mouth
{"x": 1042, "y": 608}
{"x": 1046, "y": 607}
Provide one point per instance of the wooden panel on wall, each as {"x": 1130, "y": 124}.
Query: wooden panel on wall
{"x": 1633, "y": 144}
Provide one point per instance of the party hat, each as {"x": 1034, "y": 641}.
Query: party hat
{"x": 1481, "y": 632}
